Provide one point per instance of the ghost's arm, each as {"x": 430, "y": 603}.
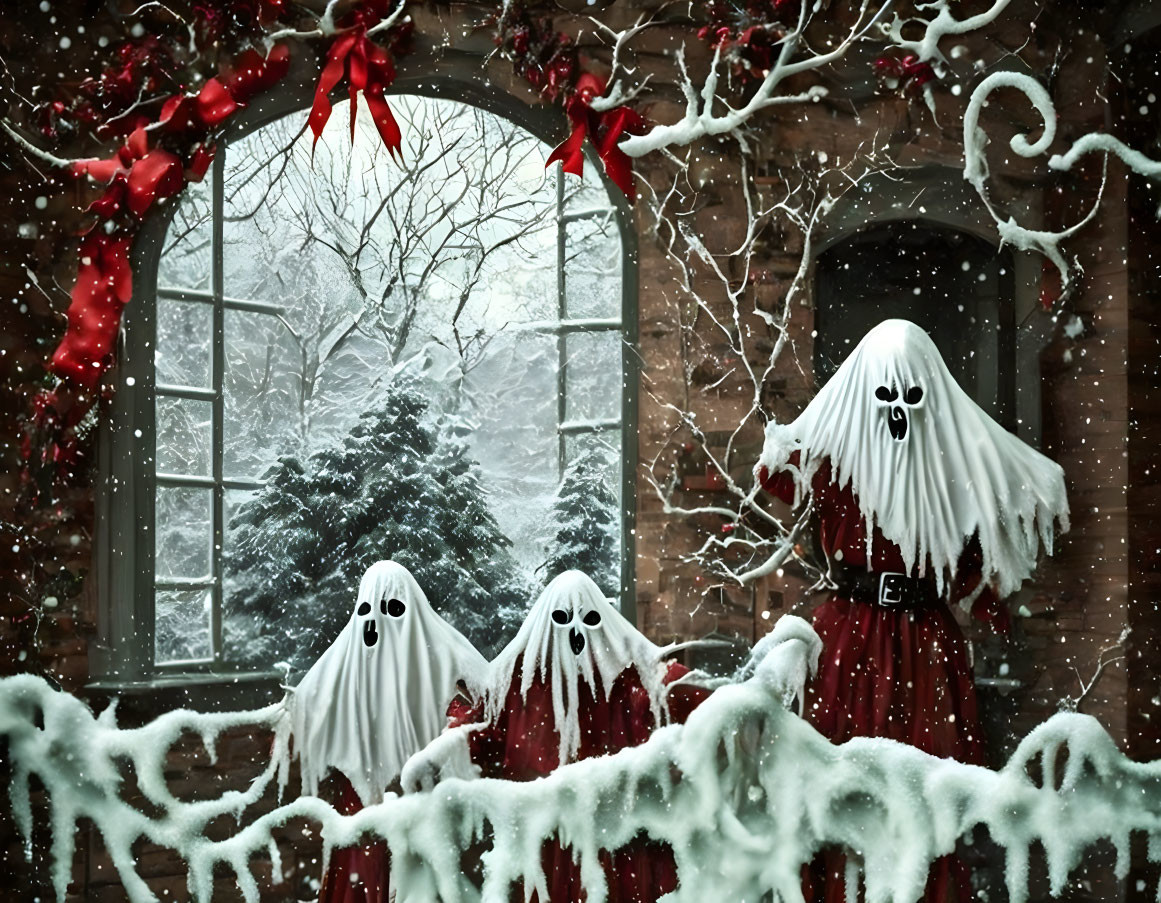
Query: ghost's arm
{"x": 447, "y": 756}
{"x": 780, "y": 482}
{"x": 972, "y": 593}
{"x": 784, "y": 659}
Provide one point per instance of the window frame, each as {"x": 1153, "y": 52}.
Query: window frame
{"x": 122, "y": 653}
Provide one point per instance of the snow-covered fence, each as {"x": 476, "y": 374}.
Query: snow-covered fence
{"x": 745, "y": 792}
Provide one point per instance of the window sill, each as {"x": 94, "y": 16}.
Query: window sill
{"x": 1004, "y": 684}
{"x": 185, "y": 679}
{"x": 202, "y": 691}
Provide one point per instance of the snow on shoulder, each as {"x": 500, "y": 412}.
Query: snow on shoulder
{"x": 379, "y": 693}
{"x": 929, "y": 467}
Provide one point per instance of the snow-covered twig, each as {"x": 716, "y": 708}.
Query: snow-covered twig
{"x": 193, "y": 43}
{"x": 617, "y": 95}
{"x": 1104, "y": 660}
{"x": 975, "y": 142}
{"x": 701, "y": 117}
{"x": 326, "y": 26}
{"x": 37, "y": 152}
{"x": 934, "y": 30}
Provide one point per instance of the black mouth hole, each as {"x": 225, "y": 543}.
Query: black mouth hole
{"x": 370, "y": 634}
{"x": 897, "y": 423}
{"x": 576, "y": 641}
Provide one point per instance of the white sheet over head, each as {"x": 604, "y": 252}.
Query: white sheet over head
{"x": 381, "y": 690}
{"x": 572, "y": 634}
{"x": 928, "y": 466}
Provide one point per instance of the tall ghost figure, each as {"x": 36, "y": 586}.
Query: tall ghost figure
{"x": 578, "y": 680}
{"x": 376, "y": 696}
{"x": 920, "y": 500}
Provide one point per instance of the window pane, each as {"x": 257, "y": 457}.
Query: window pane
{"x": 184, "y": 532}
{"x": 592, "y": 286}
{"x": 184, "y": 436}
{"x": 511, "y": 399}
{"x": 184, "y": 339}
{"x": 588, "y": 193}
{"x": 589, "y": 507}
{"x": 185, "y": 262}
{"x": 264, "y": 406}
{"x": 181, "y": 629}
{"x": 593, "y": 370}
{"x": 246, "y": 617}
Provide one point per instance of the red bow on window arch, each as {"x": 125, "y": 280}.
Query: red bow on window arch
{"x": 368, "y": 68}
{"x": 603, "y": 129}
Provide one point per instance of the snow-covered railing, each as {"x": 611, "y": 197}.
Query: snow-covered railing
{"x": 745, "y": 792}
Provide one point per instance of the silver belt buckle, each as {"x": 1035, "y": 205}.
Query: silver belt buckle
{"x": 891, "y": 588}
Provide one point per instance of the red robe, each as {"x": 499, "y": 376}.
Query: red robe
{"x": 901, "y": 673}
{"x": 522, "y": 744}
{"x": 355, "y": 874}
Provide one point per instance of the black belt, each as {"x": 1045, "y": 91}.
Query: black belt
{"x": 889, "y": 589}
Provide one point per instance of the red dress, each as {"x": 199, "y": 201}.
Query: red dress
{"x": 355, "y": 874}
{"x": 895, "y": 672}
{"x": 522, "y": 744}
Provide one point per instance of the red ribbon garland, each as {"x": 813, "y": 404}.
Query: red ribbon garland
{"x": 104, "y": 286}
{"x": 136, "y": 178}
{"x": 368, "y": 68}
{"x": 604, "y": 130}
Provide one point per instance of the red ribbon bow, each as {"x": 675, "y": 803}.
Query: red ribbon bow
{"x": 104, "y": 286}
{"x": 369, "y": 69}
{"x": 604, "y": 130}
{"x": 136, "y": 176}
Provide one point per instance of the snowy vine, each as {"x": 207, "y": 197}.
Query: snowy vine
{"x": 760, "y": 792}
{"x": 975, "y": 141}
{"x": 53, "y": 736}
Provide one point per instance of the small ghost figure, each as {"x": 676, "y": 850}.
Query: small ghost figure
{"x": 377, "y": 695}
{"x": 578, "y": 680}
{"x": 919, "y": 500}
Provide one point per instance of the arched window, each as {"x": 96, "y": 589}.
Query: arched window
{"x": 337, "y": 330}
{"x": 956, "y": 286}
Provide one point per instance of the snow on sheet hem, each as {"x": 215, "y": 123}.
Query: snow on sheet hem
{"x": 744, "y": 793}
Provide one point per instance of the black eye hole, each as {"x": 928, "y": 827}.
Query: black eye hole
{"x": 383, "y": 606}
{"x": 395, "y": 608}
{"x": 561, "y": 616}
{"x": 913, "y": 395}
{"x": 592, "y": 618}
{"x": 364, "y": 608}
{"x": 884, "y": 394}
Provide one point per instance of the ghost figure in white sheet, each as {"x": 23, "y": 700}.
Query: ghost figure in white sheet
{"x": 929, "y": 468}
{"x": 381, "y": 690}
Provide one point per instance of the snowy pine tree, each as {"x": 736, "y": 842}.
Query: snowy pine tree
{"x": 585, "y": 511}
{"x": 393, "y": 488}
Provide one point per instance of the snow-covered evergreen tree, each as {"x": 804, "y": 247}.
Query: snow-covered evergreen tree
{"x": 393, "y": 488}
{"x": 585, "y": 511}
